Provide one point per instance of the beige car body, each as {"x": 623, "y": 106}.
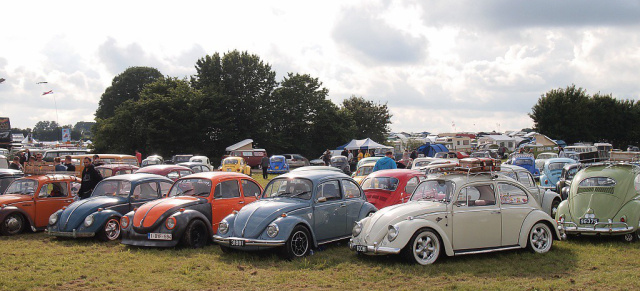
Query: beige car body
{"x": 462, "y": 229}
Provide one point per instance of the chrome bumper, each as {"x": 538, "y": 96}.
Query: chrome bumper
{"x": 568, "y": 227}
{"x": 73, "y": 234}
{"x": 375, "y": 249}
{"x": 249, "y": 242}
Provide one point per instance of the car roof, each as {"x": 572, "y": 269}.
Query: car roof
{"x": 161, "y": 168}
{"x": 138, "y": 177}
{"x": 186, "y": 164}
{"x": 314, "y": 175}
{"x": 10, "y": 172}
{"x": 316, "y": 168}
{"x": 560, "y": 160}
{"x": 397, "y": 173}
{"x": 217, "y": 175}
{"x": 117, "y": 165}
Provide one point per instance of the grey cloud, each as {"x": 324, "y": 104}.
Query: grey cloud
{"x": 117, "y": 59}
{"x": 375, "y": 40}
{"x": 510, "y": 14}
{"x": 61, "y": 56}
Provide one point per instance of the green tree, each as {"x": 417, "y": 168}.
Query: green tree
{"x": 371, "y": 120}
{"x": 563, "y": 114}
{"x": 125, "y": 86}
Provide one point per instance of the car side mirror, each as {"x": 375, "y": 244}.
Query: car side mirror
{"x": 164, "y": 195}
{"x": 257, "y": 196}
{"x": 322, "y": 199}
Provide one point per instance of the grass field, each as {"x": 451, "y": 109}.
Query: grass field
{"x": 37, "y": 261}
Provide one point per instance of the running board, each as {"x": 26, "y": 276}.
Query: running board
{"x": 333, "y": 240}
{"x": 482, "y": 251}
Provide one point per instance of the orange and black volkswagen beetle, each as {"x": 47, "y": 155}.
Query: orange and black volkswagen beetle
{"x": 192, "y": 211}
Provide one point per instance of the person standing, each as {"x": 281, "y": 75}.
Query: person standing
{"x": 15, "y": 164}
{"x": 97, "y": 161}
{"x": 414, "y": 155}
{"x": 23, "y": 159}
{"x": 67, "y": 163}
{"x": 360, "y": 155}
{"x": 561, "y": 153}
{"x": 90, "y": 178}
{"x": 326, "y": 157}
{"x": 385, "y": 163}
{"x": 264, "y": 163}
{"x": 58, "y": 165}
{"x": 139, "y": 157}
{"x": 345, "y": 153}
{"x": 367, "y": 154}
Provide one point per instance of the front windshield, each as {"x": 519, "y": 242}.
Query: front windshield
{"x": 182, "y": 159}
{"x": 191, "y": 187}
{"x": 547, "y": 156}
{"x": 339, "y": 159}
{"x": 556, "y": 166}
{"x": 22, "y": 187}
{"x": 434, "y": 190}
{"x": 364, "y": 170}
{"x": 523, "y": 162}
{"x": 440, "y": 155}
{"x": 380, "y": 183}
{"x": 230, "y": 162}
{"x": 421, "y": 164}
{"x": 277, "y": 159}
{"x": 118, "y": 188}
{"x": 105, "y": 172}
{"x": 288, "y": 187}
{"x": 572, "y": 172}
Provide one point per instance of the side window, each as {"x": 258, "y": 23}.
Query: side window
{"x": 146, "y": 191}
{"x": 526, "y": 179}
{"x": 52, "y": 190}
{"x": 173, "y": 175}
{"x": 227, "y": 189}
{"x": 164, "y": 187}
{"x": 329, "y": 190}
{"x": 350, "y": 189}
{"x": 477, "y": 195}
{"x": 411, "y": 185}
{"x": 250, "y": 188}
{"x": 184, "y": 173}
{"x": 510, "y": 194}
{"x": 197, "y": 169}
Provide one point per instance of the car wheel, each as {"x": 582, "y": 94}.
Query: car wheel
{"x": 554, "y": 208}
{"x": 111, "y": 230}
{"x": 12, "y": 224}
{"x": 632, "y": 237}
{"x": 226, "y": 250}
{"x": 298, "y": 244}
{"x": 540, "y": 238}
{"x": 195, "y": 236}
{"x": 423, "y": 248}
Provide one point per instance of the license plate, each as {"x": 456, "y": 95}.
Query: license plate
{"x": 588, "y": 220}
{"x": 361, "y": 249}
{"x": 237, "y": 243}
{"x": 159, "y": 236}
{"x": 229, "y": 170}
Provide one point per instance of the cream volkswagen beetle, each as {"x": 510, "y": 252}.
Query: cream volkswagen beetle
{"x": 457, "y": 214}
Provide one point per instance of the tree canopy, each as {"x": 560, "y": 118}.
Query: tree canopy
{"x": 126, "y": 86}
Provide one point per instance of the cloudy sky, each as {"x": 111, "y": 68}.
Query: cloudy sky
{"x": 439, "y": 65}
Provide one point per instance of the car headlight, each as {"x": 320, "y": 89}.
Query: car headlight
{"x": 223, "y": 227}
{"x": 392, "y": 233}
{"x": 272, "y": 230}
{"x": 124, "y": 222}
{"x": 88, "y": 221}
{"x": 171, "y": 222}
{"x": 53, "y": 218}
{"x": 357, "y": 229}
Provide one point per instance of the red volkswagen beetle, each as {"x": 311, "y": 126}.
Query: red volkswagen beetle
{"x": 389, "y": 187}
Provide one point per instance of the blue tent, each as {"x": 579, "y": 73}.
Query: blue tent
{"x": 430, "y": 150}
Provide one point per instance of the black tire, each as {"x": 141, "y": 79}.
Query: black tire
{"x": 13, "y": 224}
{"x": 540, "y": 238}
{"x": 110, "y": 230}
{"x": 298, "y": 245}
{"x": 195, "y": 236}
{"x": 554, "y": 208}
{"x": 424, "y": 247}
{"x": 226, "y": 250}
{"x": 632, "y": 237}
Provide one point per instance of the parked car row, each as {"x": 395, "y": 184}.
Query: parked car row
{"x": 421, "y": 215}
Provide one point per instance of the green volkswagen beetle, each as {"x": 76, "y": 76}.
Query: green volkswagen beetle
{"x": 603, "y": 200}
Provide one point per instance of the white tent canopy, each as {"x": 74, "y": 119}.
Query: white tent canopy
{"x": 365, "y": 144}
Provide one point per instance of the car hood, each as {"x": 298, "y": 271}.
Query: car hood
{"x": 149, "y": 213}
{"x": 603, "y": 203}
{"x": 376, "y": 228}
{"x": 9, "y": 199}
{"x": 76, "y": 212}
{"x": 252, "y": 219}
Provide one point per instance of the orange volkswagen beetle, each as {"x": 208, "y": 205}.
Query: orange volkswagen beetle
{"x": 192, "y": 211}
{"x": 29, "y": 201}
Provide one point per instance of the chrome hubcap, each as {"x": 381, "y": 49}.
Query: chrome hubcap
{"x": 13, "y": 224}
{"x": 628, "y": 237}
{"x": 299, "y": 244}
{"x": 112, "y": 229}
{"x": 426, "y": 248}
{"x": 540, "y": 238}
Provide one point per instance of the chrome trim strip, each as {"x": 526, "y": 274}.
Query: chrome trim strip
{"x": 334, "y": 240}
{"x": 73, "y": 234}
{"x": 249, "y": 242}
{"x": 609, "y": 227}
{"x": 485, "y": 250}
{"x": 478, "y": 210}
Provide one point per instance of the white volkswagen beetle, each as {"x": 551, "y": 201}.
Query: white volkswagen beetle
{"x": 457, "y": 214}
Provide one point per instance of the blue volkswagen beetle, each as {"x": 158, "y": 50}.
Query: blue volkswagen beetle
{"x": 278, "y": 165}
{"x": 298, "y": 211}
{"x": 552, "y": 170}
{"x": 99, "y": 215}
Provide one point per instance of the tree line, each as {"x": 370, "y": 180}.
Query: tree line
{"x": 572, "y": 115}
{"x": 52, "y": 131}
{"x": 232, "y": 97}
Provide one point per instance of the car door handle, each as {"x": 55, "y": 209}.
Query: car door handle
{"x": 495, "y": 212}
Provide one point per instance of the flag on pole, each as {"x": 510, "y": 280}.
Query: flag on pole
{"x": 48, "y": 92}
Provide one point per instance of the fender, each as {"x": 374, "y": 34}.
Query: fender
{"x": 543, "y": 177}
{"x": 547, "y": 199}
{"x": 407, "y": 228}
{"x": 366, "y": 209}
{"x": 563, "y": 209}
{"x": 4, "y": 212}
{"x": 533, "y": 218}
{"x": 100, "y": 218}
{"x": 286, "y": 225}
{"x": 632, "y": 210}
{"x": 183, "y": 219}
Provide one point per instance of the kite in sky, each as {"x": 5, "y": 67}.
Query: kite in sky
{"x": 48, "y": 92}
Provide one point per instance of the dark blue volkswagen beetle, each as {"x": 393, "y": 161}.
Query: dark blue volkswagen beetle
{"x": 100, "y": 214}
{"x": 297, "y": 211}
